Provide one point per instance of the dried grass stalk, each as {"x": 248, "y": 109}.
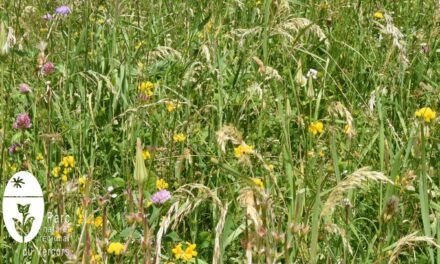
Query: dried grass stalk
{"x": 409, "y": 241}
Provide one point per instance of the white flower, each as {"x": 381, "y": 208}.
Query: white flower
{"x": 110, "y": 189}
{"x": 312, "y": 73}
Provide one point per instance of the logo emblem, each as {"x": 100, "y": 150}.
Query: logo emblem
{"x": 23, "y": 207}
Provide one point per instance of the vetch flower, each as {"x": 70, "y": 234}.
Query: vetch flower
{"x": 115, "y": 248}
{"x": 14, "y": 148}
{"x": 179, "y": 137}
{"x": 40, "y": 157}
{"x": 24, "y": 88}
{"x": 146, "y": 90}
{"x": 161, "y": 184}
{"x": 22, "y": 122}
{"x": 185, "y": 254}
{"x": 56, "y": 172}
{"x": 316, "y": 127}
{"x": 426, "y": 113}
{"x": 62, "y": 10}
{"x": 160, "y": 197}
{"x": 243, "y": 149}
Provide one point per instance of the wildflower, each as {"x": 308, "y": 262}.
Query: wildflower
{"x": 258, "y": 182}
{"x": 48, "y": 68}
{"x": 160, "y": 197}
{"x": 14, "y": 148}
{"x": 40, "y": 157}
{"x": 68, "y": 161}
{"x": 378, "y": 15}
{"x": 243, "y": 149}
{"x": 312, "y": 73}
{"x": 82, "y": 181}
{"x": 179, "y": 137}
{"x": 56, "y": 171}
{"x": 13, "y": 167}
{"x": 316, "y": 127}
{"x": 22, "y": 121}
{"x": 146, "y": 90}
{"x": 24, "y": 88}
{"x": 161, "y": 184}
{"x": 115, "y": 248}
{"x": 98, "y": 222}
{"x": 62, "y": 10}
{"x": 47, "y": 17}
{"x": 64, "y": 178}
{"x": 79, "y": 215}
{"x": 170, "y": 107}
{"x": 96, "y": 259}
{"x": 146, "y": 154}
{"x": 187, "y": 254}
{"x": 426, "y": 113}
{"x": 57, "y": 235}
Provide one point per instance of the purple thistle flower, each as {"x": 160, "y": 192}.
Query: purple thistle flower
{"x": 160, "y": 197}
{"x": 62, "y": 10}
{"x": 24, "y": 88}
{"x": 48, "y": 68}
{"x": 47, "y": 17}
{"x": 14, "y": 148}
{"x": 22, "y": 122}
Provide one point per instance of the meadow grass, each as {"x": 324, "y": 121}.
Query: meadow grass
{"x": 236, "y": 131}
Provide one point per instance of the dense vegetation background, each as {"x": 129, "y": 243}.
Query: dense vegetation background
{"x": 269, "y": 131}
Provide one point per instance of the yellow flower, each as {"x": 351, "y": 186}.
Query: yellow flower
{"x": 146, "y": 154}
{"x": 96, "y": 259}
{"x": 243, "y": 149}
{"x": 161, "y": 184}
{"x": 80, "y": 215}
{"x": 98, "y": 222}
{"x": 258, "y": 182}
{"x": 116, "y": 248}
{"x": 146, "y": 88}
{"x": 378, "y": 15}
{"x": 427, "y": 114}
{"x": 82, "y": 181}
{"x": 13, "y": 167}
{"x": 179, "y": 137}
{"x": 187, "y": 254}
{"x": 64, "y": 178}
{"x": 316, "y": 127}
{"x": 56, "y": 171}
{"x": 170, "y": 107}
{"x": 57, "y": 235}
{"x": 68, "y": 161}
{"x": 40, "y": 157}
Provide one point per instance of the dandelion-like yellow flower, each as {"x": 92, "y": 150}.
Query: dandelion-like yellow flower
{"x": 115, "y": 248}
{"x": 170, "y": 107}
{"x": 64, "y": 178}
{"x": 187, "y": 254}
{"x": 161, "y": 184}
{"x": 96, "y": 259}
{"x": 57, "y": 235}
{"x": 378, "y": 15}
{"x": 98, "y": 222}
{"x": 316, "y": 127}
{"x": 426, "y": 113}
{"x": 243, "y": 149}
{"x": 56, "y": 171}
{"x": 179, "y": 137}
{"x": 258, "y": 182}
{"x": 146, "y": 154}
